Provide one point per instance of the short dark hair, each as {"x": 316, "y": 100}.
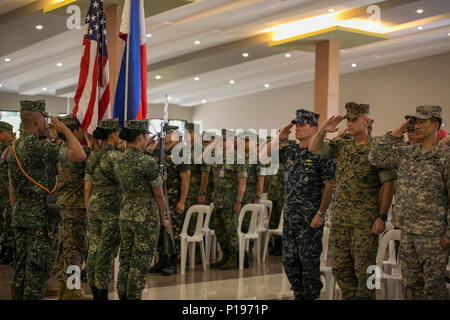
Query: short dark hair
{"x": 434, "y": 120}
{"x": 72, "y": 127}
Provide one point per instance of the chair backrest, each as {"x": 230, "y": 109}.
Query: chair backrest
{"x": 324, "y": 254}
{"x": 208, "y": 217}
{"x": 391, "y": 235}
{"x": 264, "y": 224}
{"x": 201, "y": 210}
{"x": 256, "y": 211}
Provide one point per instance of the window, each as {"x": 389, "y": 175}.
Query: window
{"x": 12, "y": 117}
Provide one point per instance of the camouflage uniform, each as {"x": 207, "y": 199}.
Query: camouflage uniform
{"x": 137, "y": 173}
{"x": 421, "y": 210}
{"x": 304, "y": 174}
{"x": 354, "y": 209}
{"x": 103, "y": 212}
{"x": 72, "y": 239}
{"x": 275, "y": 193}
{"x": 224, "y": 221}
{"x": 34, "y": 242}
{"x": 6, "y": 231}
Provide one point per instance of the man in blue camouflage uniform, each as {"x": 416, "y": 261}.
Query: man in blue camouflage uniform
{"x": 308, "y": 183}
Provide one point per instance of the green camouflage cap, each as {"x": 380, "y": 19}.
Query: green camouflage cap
{"x": 69, "y": 120}
{"x": 428, "y": 112}
{"x": 109, "y": 124}
{"x": 303, "y": 116}
{"x": 35, "y": 106}
{"x": 5, "y": 126}
{"x": 189, "y": 126}
{"x": 355, "y": 110}
{"x": 411, "y": 126}
{"x": 138, "y": 125}
{"x": 171, "y": 128}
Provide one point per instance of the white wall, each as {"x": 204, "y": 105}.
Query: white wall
{"x": 392, "y": 91}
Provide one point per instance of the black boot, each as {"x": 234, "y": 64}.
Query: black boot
{"x": 122, "y": 297}
{"x": 160, "y": 265}
{"x": 94, "y": 292}
{"x": 8, "y": 256}
{"x": 171, "y": 267}
{"x": 102, "y": 294}
{"x": 2, "y": 252}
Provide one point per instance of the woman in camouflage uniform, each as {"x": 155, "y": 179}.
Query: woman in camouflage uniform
{"x": 142, "y": 199}
{"x": 103, "y": 209}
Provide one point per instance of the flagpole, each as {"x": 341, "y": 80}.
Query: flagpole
{"x": 126, "y": 79}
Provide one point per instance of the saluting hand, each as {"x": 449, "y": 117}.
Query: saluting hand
{"x": 331, "y": 125}
{"x": 284, "y": 133}
{"x": 58, "y": 125}
{"x": 400, "y": 131}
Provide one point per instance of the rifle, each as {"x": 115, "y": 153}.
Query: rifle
{"x": 167, "y": 237}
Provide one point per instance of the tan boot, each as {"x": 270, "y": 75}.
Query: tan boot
{"x": 62, "y": 288}
{"x": 74, "y": 294}
{"x": 51, "y": 290}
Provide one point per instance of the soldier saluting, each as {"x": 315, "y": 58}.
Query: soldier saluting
{"x": 32, "y": 170}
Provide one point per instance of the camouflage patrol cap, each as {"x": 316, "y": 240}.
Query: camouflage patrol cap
{"x": 69, "y": 120}
{"x": 303, "y": 116}
{"x": 411, "y": 126}
{"x": 109, "y": 124}
{"x": 138, "y": 125}
{"x": 189, "y": 126}
{"x": 428, "y": 111}
{"x": 171, "y": 128}
{"x": 355, "y": 110}
{"x": 5, "y": 126}
{"x": 35, "y": 106}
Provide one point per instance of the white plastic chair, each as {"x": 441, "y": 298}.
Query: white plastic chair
{"x": 394, "y": 278}
{"x": 210, "y": 236}
{"x": 325, "y": 268}
{"x": 197, "y": 237}
{"x": 264, "y": 224}
{"x": 256, "y": 211}
{"x": 277, "y": 232}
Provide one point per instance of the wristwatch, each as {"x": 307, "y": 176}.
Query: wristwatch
{"x": 202, "y": 193}
{"x": 258, "y": 197}
{"x": 321, "y": 213}
{"x": 383, "y": 217}
{"x": 237, "y": 201}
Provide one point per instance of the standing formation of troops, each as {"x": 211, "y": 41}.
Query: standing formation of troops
{"x": 114, "y": 199}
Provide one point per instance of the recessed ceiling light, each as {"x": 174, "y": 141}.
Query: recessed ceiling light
{"x": 149, "y": 35}
{"x": 44, "y": 89}
{"x": 330, "y": 10}
{"x": 197, "y": 42}
{"x": 449, "y": 34}
{"x": 7, "y": 59}
{"x": 266, "y": 85}
{"x": 59, "y": 64}
{"x": 197, "y": 79}
{"x": 354, "y": 65}
{"x": 245, "y": 54}
{"x": 1, "y": 85}
{"x": 232, "y": 82}
{"x": 420, "y": 28}
{"x": 157, "y": 77}
{"x": 169, "y": 98}
{"x": 39, "y": 27}
{"x": 287, "y": 55}
{"x": 203, "y": 101}
{"x": 420, "y": 11}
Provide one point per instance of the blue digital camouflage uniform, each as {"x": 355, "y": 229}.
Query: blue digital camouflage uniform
{"x": 304, "y": 174}
{"x": 137, "y": 173}
{"x": 103, "y": 216}
{"x": 35, "y": 243}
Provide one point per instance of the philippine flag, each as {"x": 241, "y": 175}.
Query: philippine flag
{"x": 130, "y": 101}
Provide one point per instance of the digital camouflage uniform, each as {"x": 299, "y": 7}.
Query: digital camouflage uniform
{"x": 355, "y": 207}
{"x": 72, "y": 239}
{"x": 35, "y": 243}
{"x": 137, "y": 173}
{"x": 6, "y": 231}
{"x": 304, "y": 174}
{"x": 103, "y": 212}
{"x": 421, "y": 209}
{"x": 224, "y": 221}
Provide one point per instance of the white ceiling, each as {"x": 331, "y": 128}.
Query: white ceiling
{"x": 219, "y": 24}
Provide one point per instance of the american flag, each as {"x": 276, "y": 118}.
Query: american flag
{"x": 92, "y": 96}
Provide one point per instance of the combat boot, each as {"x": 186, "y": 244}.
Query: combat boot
{"x": 160, "y": 265}
{"x": 62, "y": 288}
{"x": 2, "y": 252}
{"x": 102, "y": 294}
{"x": 7, "y": 256}
{"x": 51, "y": 290}
{"x": 171, "y": 267}
{"x": 230, "y": 263}
{"x": 94, "y": 291}
{"x": 74, "y": 294}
